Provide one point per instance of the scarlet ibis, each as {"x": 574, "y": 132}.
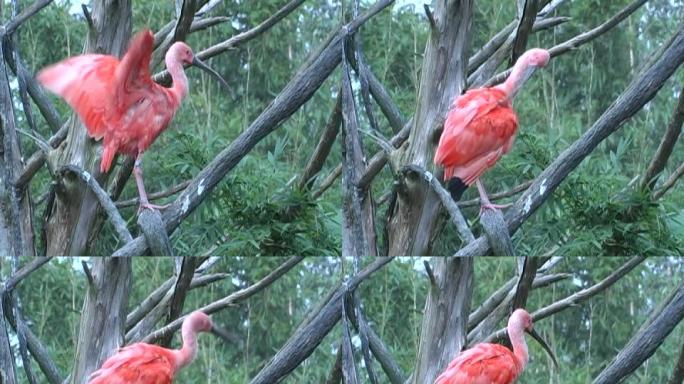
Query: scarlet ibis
{"x": 142, "y": 363}
{"x": 119, "y": 101}
{"x": 493, "y": 363}
{"x": 480, "y": 127}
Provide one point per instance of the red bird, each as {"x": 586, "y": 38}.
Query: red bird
{"x": 119, "y": 101}
{"x": 494, "y": 363}
{"x": 481, "y": 127}
{"x": 142, "y": 363}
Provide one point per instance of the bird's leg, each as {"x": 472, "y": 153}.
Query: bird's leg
{"x": 484, "y": 200}
{"x": 144, "y": 203}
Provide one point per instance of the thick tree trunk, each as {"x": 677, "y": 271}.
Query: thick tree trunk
{"x": 103, "y": 319}
{"x": 445, "y": 322}
{"x": 443, "y": 74}
{"x": 7, "y": 374}
{"x": 75, "y": 208}
{"x": 16, "y": 229}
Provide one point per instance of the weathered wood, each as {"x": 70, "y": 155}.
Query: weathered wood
{"x": 315, "y": 164}
{"x": 7, "y": 373}
{"x": 445, "y": 319}
{"x": 103, "y": 318}
{"x": 16, "y": 227}
{"x": 305, "y": 340}
{"x": 75, "y": 207}
{"x": 152, "y": 226}
{"x": 358, "y": 231}
{"x": 416, "y": 211}
{"x": 642, "y": 345}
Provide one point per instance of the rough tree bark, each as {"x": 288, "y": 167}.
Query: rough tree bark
{"x": 103, "y": 318}
{"x": 445, "y": 320}
{"x": 75, "y": 207}
{"x": 16, "y": 227}
{"x": 415, "y": 214}
{"x": 645, "y": 342}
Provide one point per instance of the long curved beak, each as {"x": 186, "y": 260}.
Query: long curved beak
{"x": 201, "y": 65}
{"x": 543, "y": 343}
{"x": 220, "y": 332}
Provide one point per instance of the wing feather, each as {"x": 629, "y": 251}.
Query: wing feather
{"x": 133, "y": 73}
{"x": 85, "y": 83}
{"x": 478, "y": 130}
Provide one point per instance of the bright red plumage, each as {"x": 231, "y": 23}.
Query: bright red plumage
{"x": 116, "y": 100}
{"x": 137, "y": 364}
{"x": 479, "y": 129}
{"x": 482, "y": 364}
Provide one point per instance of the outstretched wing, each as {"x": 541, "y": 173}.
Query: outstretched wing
{"x": 133, "y": 73}
{"x": 85, "y": 82}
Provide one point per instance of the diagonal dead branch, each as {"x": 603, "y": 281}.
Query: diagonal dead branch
{"x": 449, "y": 204}
{"x": 164, "y": 77}
{"x": 29, "y": 11}
{"x": 323, "y": 147}
{"x": 102, "y": 196}
{"x": 229, "y": 300}
{"x": 580, "y": 296}
{"x": 667, "y": 143}
{"x": 670, "y": 182}
{"x": 153, "y": 196}
{"x": 643, "y": 344}
{"x": 578, "y": 40}
{"x": 305, "y": 340}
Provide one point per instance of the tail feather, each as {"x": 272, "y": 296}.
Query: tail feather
{"x": 107, "y": 158}
{"x": 456, "y": 187}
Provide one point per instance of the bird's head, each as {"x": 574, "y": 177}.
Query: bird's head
{"x": 536, "y": 57}
{"x": 182, "y": 53}
{"x": 522, "y": 318}
{"x": 199, "y": 322}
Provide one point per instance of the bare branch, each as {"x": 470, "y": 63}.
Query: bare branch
{"x": 153, "y": 196}
{"x": 102, "y": 196}
{"x": 669, "y": 183}
{"x": 456, "y": 216}
{"x": 527, "y": 17}
{"x": 496, "y": 196}
{"x": 678, "y": 372}
{"x": 580, "y": 296}
{"x": 642, "y": 345}
{"x": 358, "y": 231}
{"x": 324, "y": 145}
{"x": 303, "y": 342}
{"x": 229, "y": 300}
{"x": 13, "y": 24}
{"x": 241, "y": 38}
{"x": 580, "y": 39}
{"x": 662, "y": 154}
